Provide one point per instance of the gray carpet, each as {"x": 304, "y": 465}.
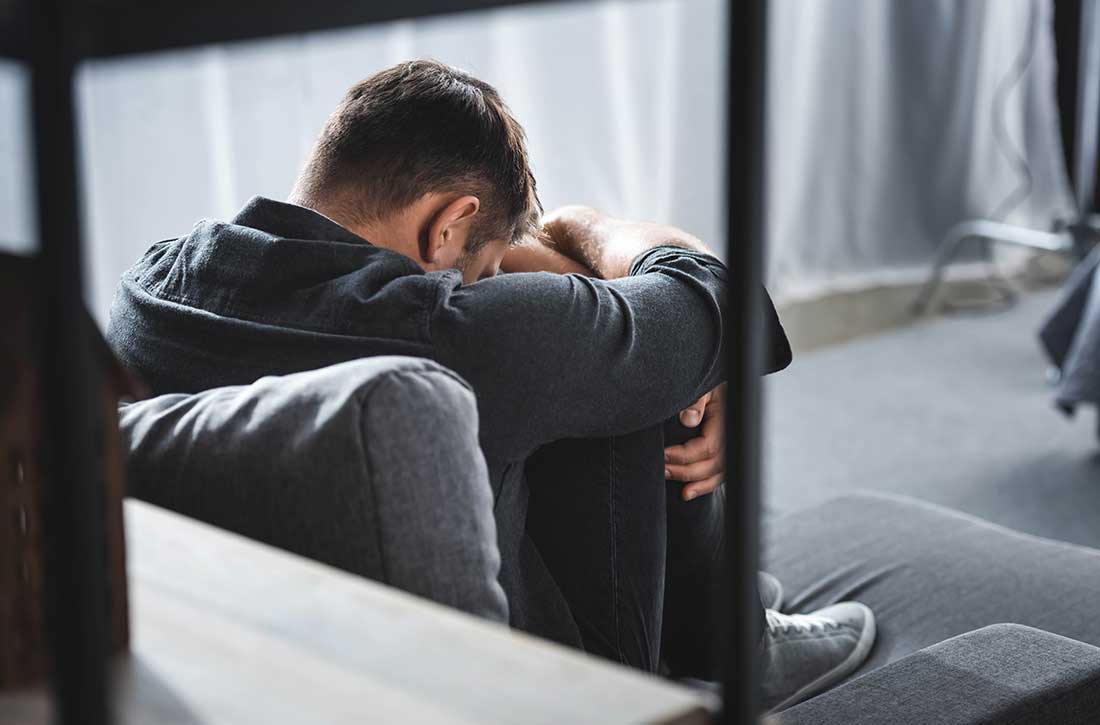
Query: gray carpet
{"x": 956, "y": 411}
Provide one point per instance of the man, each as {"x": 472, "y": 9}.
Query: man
{"x": 417, "y": 193}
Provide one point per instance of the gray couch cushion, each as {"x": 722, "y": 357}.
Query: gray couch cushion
{"x": 930, "y": 573}
{"x": 372, "y": 466}
{"x": 1004, "y": 673}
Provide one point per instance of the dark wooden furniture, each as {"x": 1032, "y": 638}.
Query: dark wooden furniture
{"x": 23, "y": 659}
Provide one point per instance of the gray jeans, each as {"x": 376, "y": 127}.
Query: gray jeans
{"x": 635, "y": 562}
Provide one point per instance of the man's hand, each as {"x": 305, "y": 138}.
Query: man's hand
{"x": 700, "y": 463}
{"x": 606, "y": 245}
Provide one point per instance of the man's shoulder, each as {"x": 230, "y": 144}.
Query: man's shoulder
{"x": 233, "y": 271}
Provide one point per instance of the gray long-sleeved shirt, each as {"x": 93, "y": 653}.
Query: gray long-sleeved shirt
{"x": 281, "y": 289}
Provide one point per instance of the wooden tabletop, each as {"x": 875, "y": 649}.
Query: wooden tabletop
{"x": 227, "y": 630}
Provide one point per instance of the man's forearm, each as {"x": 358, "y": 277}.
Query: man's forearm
{"x": 609, "y": 246}
{"x": 534, "y": 256}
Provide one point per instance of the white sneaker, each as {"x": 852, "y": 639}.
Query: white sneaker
{"x": 808, "y": 653}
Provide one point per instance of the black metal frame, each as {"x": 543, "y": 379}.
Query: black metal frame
{"x": 65, "y": 32}
{"x": 745, "y": 230}
{"x": 1068, "y": 35}
{"x": 74, "y": 546}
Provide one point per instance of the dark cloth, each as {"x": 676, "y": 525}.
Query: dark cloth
{"x": 1071, "y": 337}
{"x": 282, "y": 289}
{"x": 597, "y": 518}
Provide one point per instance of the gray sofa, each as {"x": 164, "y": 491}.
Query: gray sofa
{"x": 976, "y": 623}
{"x": 373, "y": 466}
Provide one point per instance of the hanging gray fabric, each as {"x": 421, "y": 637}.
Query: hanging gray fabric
{"x": 1071, "y": 337}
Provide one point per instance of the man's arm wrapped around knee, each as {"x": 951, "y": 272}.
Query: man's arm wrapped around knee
{"x": 555, "y": 356}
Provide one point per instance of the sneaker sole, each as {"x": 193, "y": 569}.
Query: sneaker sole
{"x": 838, "y": 673}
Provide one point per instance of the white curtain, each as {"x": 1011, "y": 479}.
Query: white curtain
{"x": 879, "y": 117}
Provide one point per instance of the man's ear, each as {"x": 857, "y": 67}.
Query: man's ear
{"x": 448, "y": 229}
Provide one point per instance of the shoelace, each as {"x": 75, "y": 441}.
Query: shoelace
{"x": 798, "y": 622}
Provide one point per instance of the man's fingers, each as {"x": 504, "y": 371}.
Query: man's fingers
{"x": 708, "y": 445}
{"x": 701, "y": 488}
{"x": 697, "y": 449}
{"x": 695, "y": 471}
{"x": 692, "y": 415}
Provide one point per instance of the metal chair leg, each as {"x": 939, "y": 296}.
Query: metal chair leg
{"x": 974, "y": 229}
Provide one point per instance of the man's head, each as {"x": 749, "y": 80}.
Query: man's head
{"x": 426, "y": 160}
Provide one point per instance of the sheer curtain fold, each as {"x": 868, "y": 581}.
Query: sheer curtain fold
{"x": 881, "y": 117}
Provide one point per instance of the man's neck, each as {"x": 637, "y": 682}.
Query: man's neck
{"x": 385, "y": 234}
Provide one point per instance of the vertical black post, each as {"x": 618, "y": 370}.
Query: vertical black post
{"x": 72, "y": 510}
{"x": 745, "y": 108}
{"x": 1067, "y": 38}
{"x": 1086, "y": 145}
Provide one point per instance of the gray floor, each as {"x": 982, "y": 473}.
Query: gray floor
{"x": 956, "y": 411}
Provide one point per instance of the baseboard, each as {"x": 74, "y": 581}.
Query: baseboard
{"x": 838, "y": 316}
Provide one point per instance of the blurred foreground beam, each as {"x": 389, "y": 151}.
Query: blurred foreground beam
{"x": 745, "y": 105}
{"x": 72, "y": 509}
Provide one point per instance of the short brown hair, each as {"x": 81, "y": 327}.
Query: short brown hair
{"x": 421, "y": 127}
